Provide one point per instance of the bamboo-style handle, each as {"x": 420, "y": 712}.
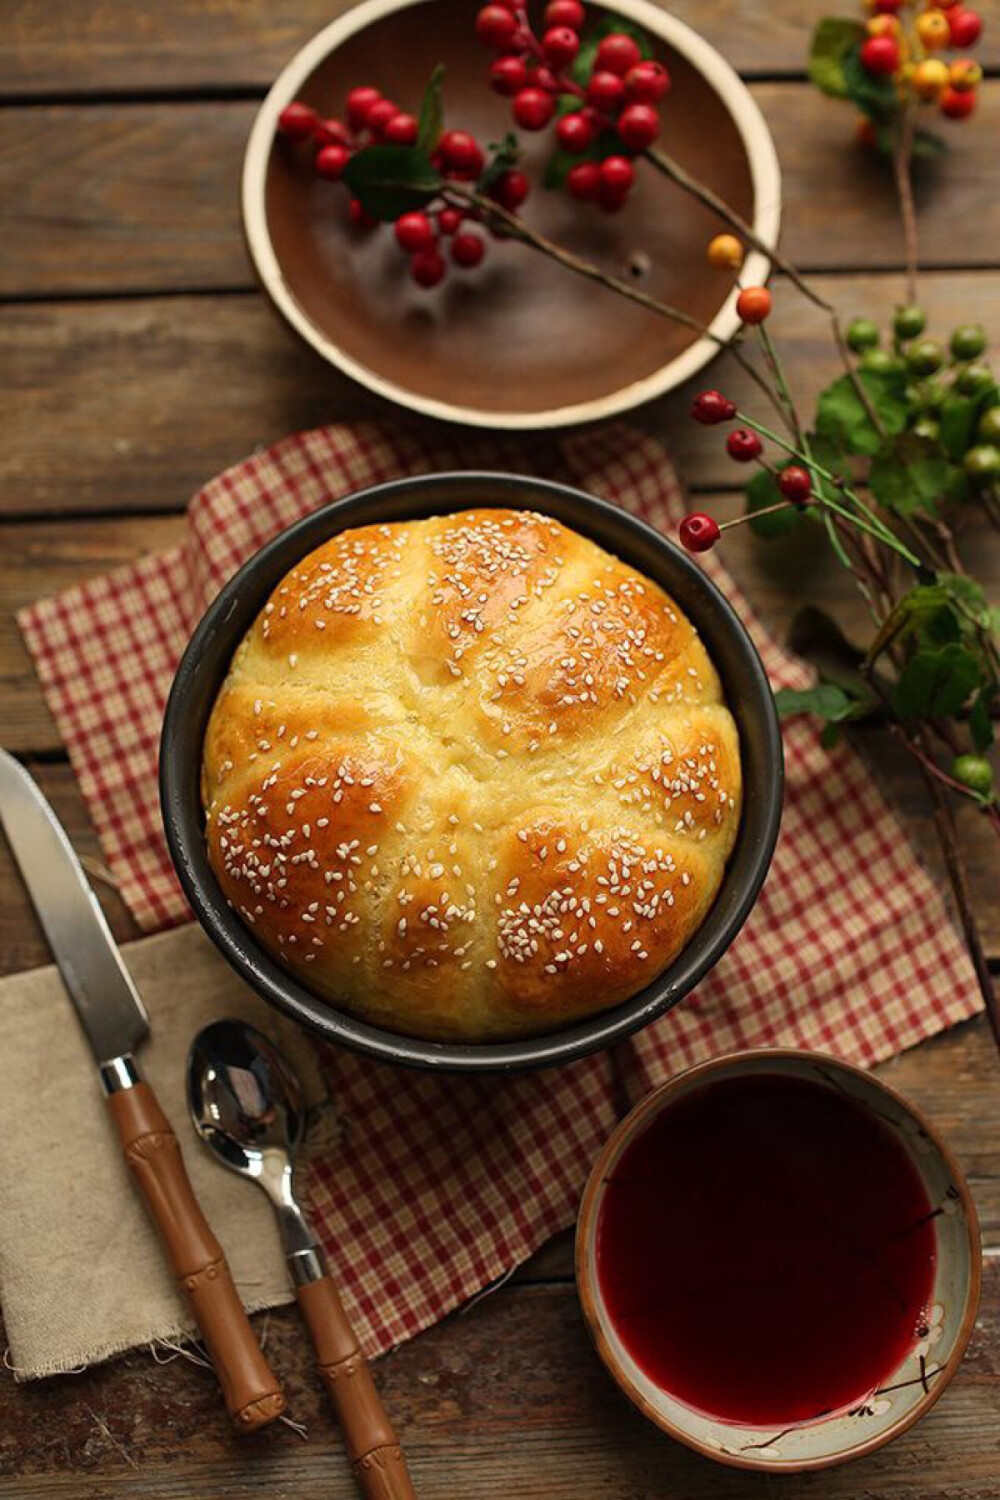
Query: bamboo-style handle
{"x": 252, "y": 1394}
{"x": 373, "y": 1447}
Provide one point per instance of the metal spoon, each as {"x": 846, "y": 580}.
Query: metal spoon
{"x": 246, "y": 1104}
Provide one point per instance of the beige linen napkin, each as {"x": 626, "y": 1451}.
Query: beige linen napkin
{"x": 82, "y": 1274}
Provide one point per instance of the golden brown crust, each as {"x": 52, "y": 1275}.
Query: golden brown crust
{"x": 471, "y": 777}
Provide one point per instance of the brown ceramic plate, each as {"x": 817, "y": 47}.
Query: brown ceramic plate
{"x": 518, "y": 343}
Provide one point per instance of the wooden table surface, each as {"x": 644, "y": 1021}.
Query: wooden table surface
{"x": 138, "y": 361}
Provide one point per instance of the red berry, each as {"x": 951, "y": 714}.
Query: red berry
{"x": 544, "y": 78}
{"x": 449, "y": 219}
{"x": 560, "y": 45}
{"x": 381, "y": 112}
{"x": 332, "y": 133}
{"x": 360, "y": 216}
{"x": 753, "y": 304}
{"x": 533, "y": 109}
{"x": 617, "y": 174}
{"x": 461, "y": 153}
{"x": 297, "y": 121}
{"x": 427, "y": 267}
{"x": 359, "y": 103}
{"x": 508, "y": 75}
{"x": 964, "y": 26}
{"x": 880, "y": 54}
{"x": 712, "y": 407}
{"x": 698, "y": 532}
{"x": 467, "y": 249}
{"x": 510, "y": 190}
{"x": 638, "y": 126}
{"x": 584, "y": 180}
{"x": 414, "y": 232}
{"x": 331, "y": 161}
{"x": 402, "y": 130}
{"x": 647, "y": 82}
{"x": 888, "y": 7}
{"x": 565, "y": 13}
{"x": 496, "y": 26}
{"x": 610, "y": 199}
{"x": 956, "y": 104}
{"x": 743, "y": 445}
{"x": 795, "y": 484}
{"x": 574, "y": 133}
{"x": 606, "y": 91}
{"x": 617, "y": 53}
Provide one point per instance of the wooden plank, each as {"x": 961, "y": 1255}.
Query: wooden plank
{"x": 118, "y": 407}
{"x": 506, "y": 1398}
{"x": 143, "y": 198}
{"x": 114, "y": 46}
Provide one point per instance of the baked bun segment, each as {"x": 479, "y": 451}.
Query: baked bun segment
{"x": 471, "y": 778}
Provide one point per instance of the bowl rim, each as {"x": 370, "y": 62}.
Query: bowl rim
{"x": 637, "y": 1119}
{"x": 765, "y": 176}
{"x": 222, "y": 627}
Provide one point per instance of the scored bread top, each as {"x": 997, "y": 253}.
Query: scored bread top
{"x": 471, "y": 777}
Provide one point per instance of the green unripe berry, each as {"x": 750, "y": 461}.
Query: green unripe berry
{"x": 975, "y": 772}
{"x": 989, "y": 425}
{"x": 982, "y": 463}
{"x": 930, "y": 395}
{"x": 881, "y": 361}
{"x": 926, "y": 356}
{"x": 968, "y": 342}
{"x": 862, "y": 334}
{"x": 974, "y": 379}
{"x": 909, "y": 322}
{"x": 926, "y": 427}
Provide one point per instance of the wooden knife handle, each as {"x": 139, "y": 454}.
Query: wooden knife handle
{"x": 252, "y": 1394}
{"x": 372, "y": 1444}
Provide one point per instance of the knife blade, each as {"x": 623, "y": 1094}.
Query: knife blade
{"x": 107, "y": 1002}
{"x": 114, "y": 1021}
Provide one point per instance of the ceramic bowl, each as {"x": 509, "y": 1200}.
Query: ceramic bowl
{"x": 518, "y": 343}
{"x": 206, "y": 661}
{"x": 912, "y": 1389}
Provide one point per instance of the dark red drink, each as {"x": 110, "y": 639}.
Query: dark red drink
{"x": 766, "y": 1250}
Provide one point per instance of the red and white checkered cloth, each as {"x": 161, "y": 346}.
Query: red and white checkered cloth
{"x": 449, "y": 1183}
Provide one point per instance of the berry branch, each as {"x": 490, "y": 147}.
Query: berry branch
{"x": 903, "y": 445}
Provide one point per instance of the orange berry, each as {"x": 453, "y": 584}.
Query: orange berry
{"x": 725, "y": 252}
{"x": 929, "y": 78}
{"x": 933, "y": 29}
{"x": 753, "y": 304}
{"x": 965, "y": 74}
{"x": 865, "y": 132}
{"x": 880, "y": 25}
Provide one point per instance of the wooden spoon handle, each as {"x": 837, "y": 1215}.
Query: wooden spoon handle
{"x": 252, "y": 1394}
{"x": 372, "y": 1444}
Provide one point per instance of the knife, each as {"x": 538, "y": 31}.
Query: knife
{"x": 114, "y": 1021}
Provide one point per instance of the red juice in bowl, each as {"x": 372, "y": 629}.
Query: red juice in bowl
{"x": 766, "y": 1250}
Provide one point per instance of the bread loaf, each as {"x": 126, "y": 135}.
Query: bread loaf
{"x": 470, "y": 777}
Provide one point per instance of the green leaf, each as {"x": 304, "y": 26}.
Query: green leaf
{"x": 874, "y": 95}
{"x": 909, "y": 474}
{"x": 935, "y": 683}
{"x": 392, "y": 180}
{"x": 503, "y": 155}
{"x": 431, "y": 112}
{"x": 760, "y": 492}
{"x": 832, "y": 40}
{"x": 825, "y": 700}
{"x": 958, "y": 417}
{"x": 981, "y": 719}
{"x": 969, "y": 596}
{"x": 841, "y": 416}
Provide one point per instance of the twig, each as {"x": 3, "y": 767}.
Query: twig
{"x": 944, "y": 825}
{"x": 902, "y": 162}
